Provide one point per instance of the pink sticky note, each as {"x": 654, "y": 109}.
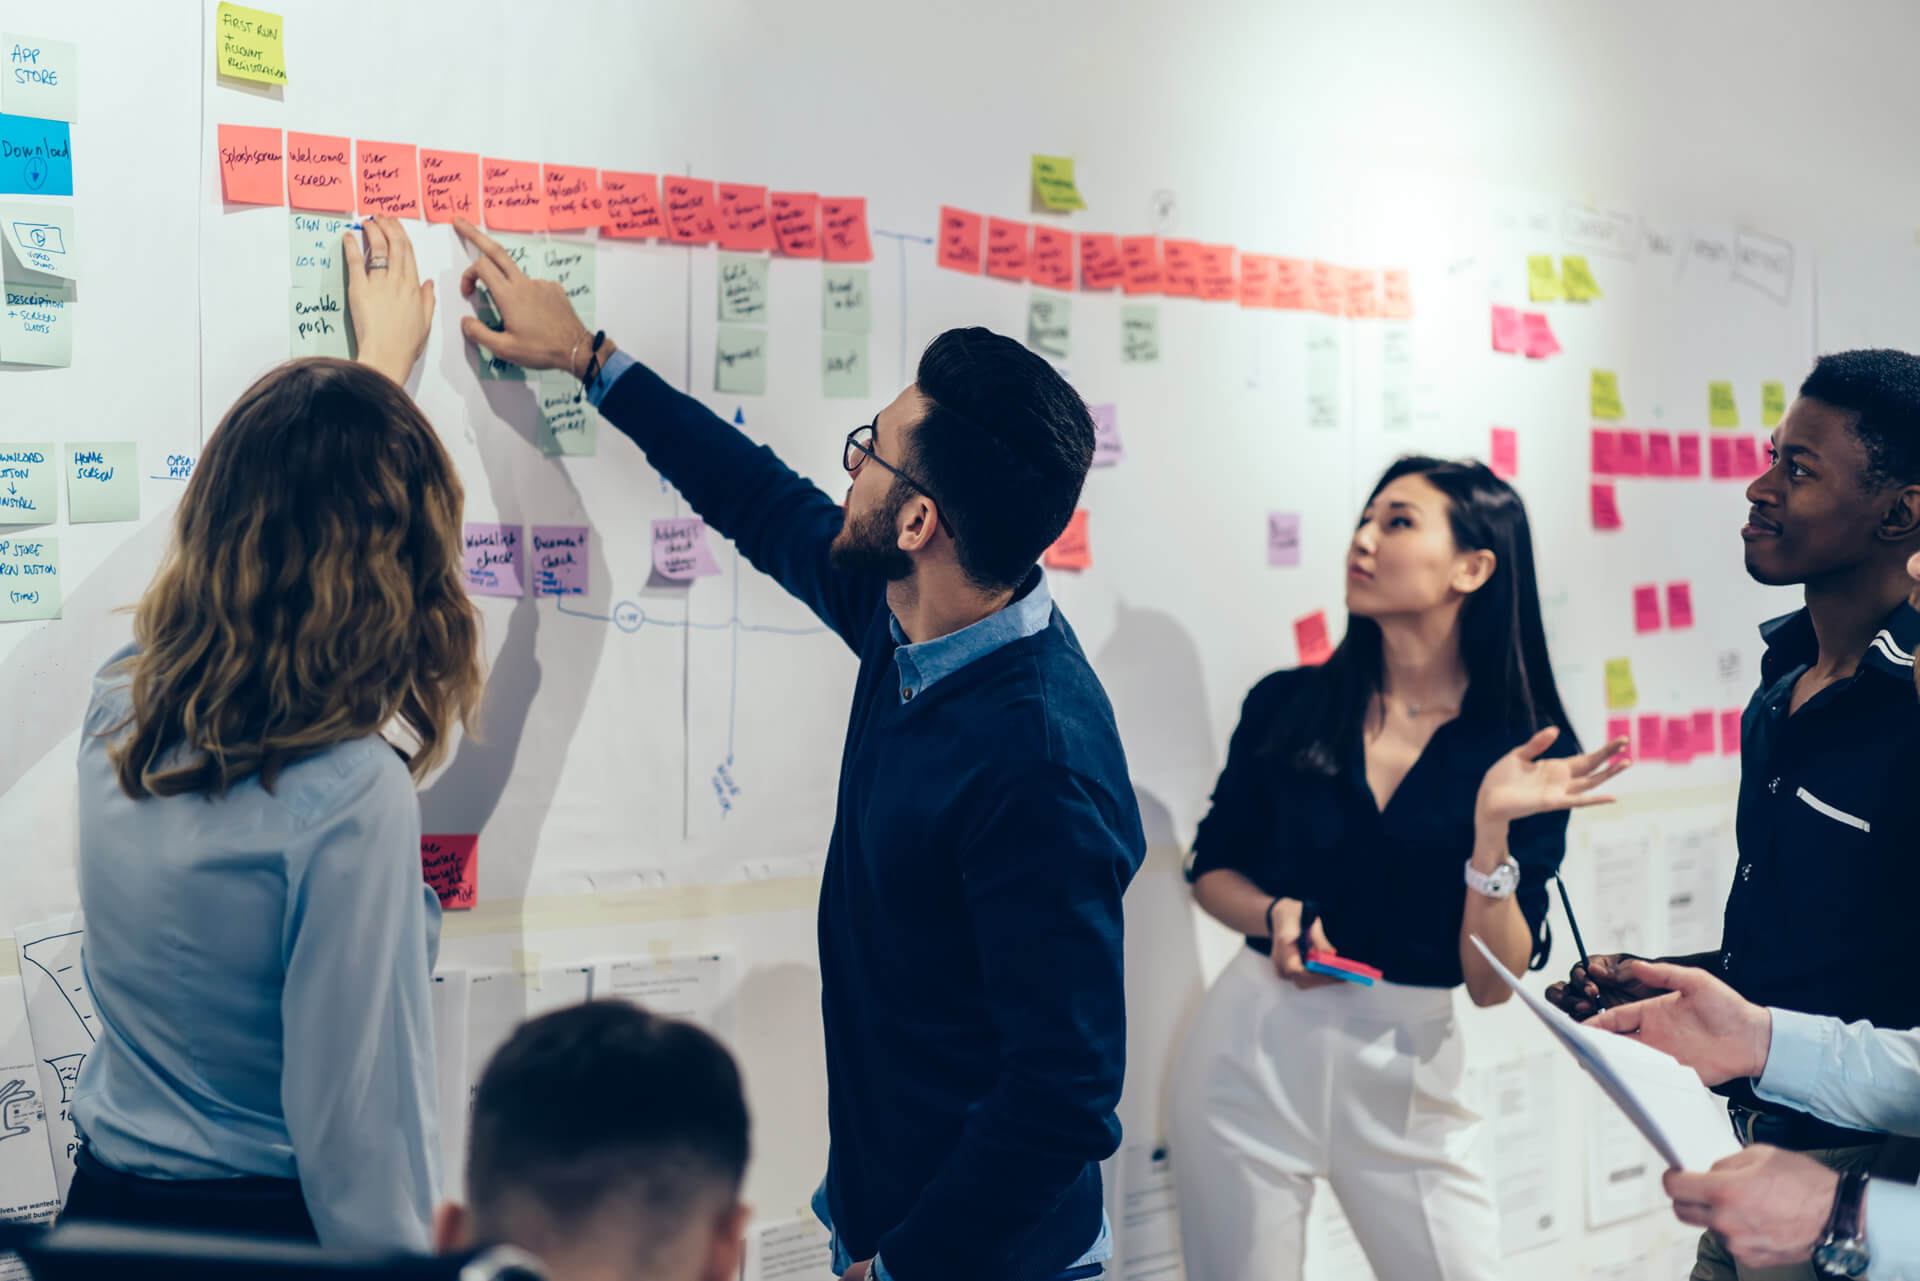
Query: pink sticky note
{"x": 1687, "y": 461}
{"x": 1646, "y": 608}
{"x": 1703, "y": 733}
{"x": 1180, "y": 268}
{"x": 680, "y": 550}
{"x": 450, "y": 864}
{"x": 1605, "y": 451}
{"x": 960, "y": 232}
{"x": 1619, "y": 727}
{"x": 1329, "y": 289}
{"x": 1107, "y": 449}
{"x": 1292, "y": 283}
{"x": 1632, "y": 453}
{"x": 630, "y": 206}
{"x": 1310, "y": 638}
{"x": 1679, "y": 605}
{"x": 745, "y": 225}
{"x": 1052, "y": 261}
{"x": 559, "y": 560}
{"x": 1651, "y": 741}
{"x": 843, "y": 227}
{"x": 692, "y": 218}
{"x": 1679, "y": 740}
{"x": 450, "y": 185}
{"x": 1730, "y": 732}
{"x": 250, "y": 165}
{"x": 1721, "y": 448}
{"x": 1256, "y": 280}
{"x": 389, "y": 174}
{"x": 574, "y": 202}
{"x": 1659, "y": 453}
{"x": 1503, "y": 451}
{"x": 796, "y": 222}
{"x": 319, "y": 172}
{"x": 1100, "y": 265}
{"x": 1397, "y": 287}
{"x": 1140, "y": 271}
{"x": 1071, "y": 550}
{"x": 1219, "y": 282}
{"x": 493, "y": 560}
{"x": 1606, "y": 513}
{"x": 1283, "y": 538}
{"x": 1007, "y": 248}
{"x": 511, "y": 195}
{"x": 1539, "y": 336}
{"x": 1509, "y": 331}
{"x": 1746, "y": 458}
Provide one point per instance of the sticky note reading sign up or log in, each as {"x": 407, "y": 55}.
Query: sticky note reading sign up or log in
{"x": 29, "y": 579}
{"x": 103, "y": 483}
{"x": 450, "y": 864}
{"x": 42, "y": 78}
{"x": 1054, "y": 189}
{"x": 250, "y": 44}
{"x": 680, "y": 550}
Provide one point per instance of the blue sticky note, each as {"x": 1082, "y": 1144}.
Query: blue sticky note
{"x": 1335, "y": 972}
{"x": 36, "y": 157}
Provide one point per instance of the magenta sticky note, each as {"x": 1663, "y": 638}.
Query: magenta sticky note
{"x": 1679, "y": 740}
{"x": 1107, "y": 449}
{"x": 1283, "y": 538}
{"x": 1730, "y": 732}
{"x": 1540, "y": 342}
{"x": 1646, "y": 608}
{"x": 1509, "y": 331}
{"x": 1620, "y": 729}
{"x": 1632, "y": 453}
{"x": 559, "y": 560}
{"x": 680, "y": 550}
{"x": 1688, "y": 462}
{"x": 1703, "y": 733}
{"x": 1679, "y": 604}
{"x": 1660, "y": 453}
{"x": 1606, "y": 451}
{"x": 1606, "y": 511}
{"x": 1503, "y": 448}
{"x": 493, "y": 560}
{"x": 1652, "y": 736}
{"x": 1721, "y": 447}
{"x": 1746, "y": 458}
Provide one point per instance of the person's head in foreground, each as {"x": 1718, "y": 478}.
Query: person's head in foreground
{"x": 609, "y": 1143}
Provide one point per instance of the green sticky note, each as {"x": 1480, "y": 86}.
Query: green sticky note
{"x": 1543, "y": 283}
{"x": 36, "y": 326}
{"x": 103, "y": 482}
{"x": 1773, "y": 403}
{"x": 743, "y": 288}
{"x": 1050, "y": 324}
{"x": 317, "y": 322}
{"x": 569, "y": 424}
{"x": 28, "y": 494}
{"x": 1053, "y": 187}
{"x": 1621, "y": 694}
{"x": 843, "y": 366}
{"x": 569, "y": 264}
{"x": 740, "y": 360}
{"x": 1578, "y": 279}
{"x": 250, "y": 44}
{"x": 313, "y": 242}
{"x": 491, "y": 366}
{"x": 29, "y": 579}
{"x": 846, "y": 305}
{"x": 1603, "y": 395}
{"x": 1324, "y": 367}
{"x": 1139, "y": 333}
{"x": 1722, "y": 409}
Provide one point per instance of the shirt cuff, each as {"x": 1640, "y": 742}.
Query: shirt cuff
{"x": 1893, "y": 1228}
{"x": 1800, "y": 1052}
{"x": 878, "y": 1272}
{"x": 618, "y": 363}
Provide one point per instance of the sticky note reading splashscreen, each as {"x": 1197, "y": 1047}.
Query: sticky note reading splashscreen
{"x": 249, "y": 165}
{"x": 740, "y": 360}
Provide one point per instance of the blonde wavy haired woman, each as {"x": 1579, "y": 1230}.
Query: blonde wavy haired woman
{"x": 259, "y": 943}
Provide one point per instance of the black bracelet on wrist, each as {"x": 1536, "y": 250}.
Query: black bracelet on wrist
{"x": 1270, "y": 907}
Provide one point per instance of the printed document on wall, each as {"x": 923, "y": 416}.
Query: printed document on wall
{"x": 60, "y": 1014}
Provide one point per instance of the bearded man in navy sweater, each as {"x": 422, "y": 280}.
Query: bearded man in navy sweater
{"x": 970, "y": 924}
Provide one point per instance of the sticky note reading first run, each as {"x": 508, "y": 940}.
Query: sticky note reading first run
{"x": 250, "y": 44}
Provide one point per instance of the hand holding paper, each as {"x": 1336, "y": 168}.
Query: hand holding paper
{"x": 1700, "y": 1021}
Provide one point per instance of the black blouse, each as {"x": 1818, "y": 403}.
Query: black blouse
{"x": 1389, "y": 883}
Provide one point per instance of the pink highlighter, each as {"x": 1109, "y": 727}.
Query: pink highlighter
{"x": 1340, "y": 967}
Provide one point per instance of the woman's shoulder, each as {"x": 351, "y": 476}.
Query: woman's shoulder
{"x": 112, "y": 696}
{"x": 1275, "y": 690}
{"x": 348, "y": 775}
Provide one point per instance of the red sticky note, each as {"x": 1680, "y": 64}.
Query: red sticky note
{"x": 1703, "y": 733}
{"x": 250, "y": 165}
{"x": 1606, "y": 451}
{"x": 1730, "y": 732}
{"x": 450, "y": 864}
{"x": 450, "y": 185}
{"x": 1100, "y": 266}
{"x": 1746, "y": 457}
{"x": 1619, "y": 727}
{"x": 1509, "y": 331}
{"x": 1679, "y": 605}
{"x": 1651, "y": 740}
{"x": 1292, "y": 283}
{"x": 1659, "y": 453}
{"x": 1631, "y": 453}
{"x": 1007, "y": 248}
{"x": 1504, "y": 452}
{"x": 1310, "y": 638}
{"x": 960, "y": 236}
{"x": 745, "y": 225}
{"x": 796, "y": 223}
{"x": 1052, "y": 261}
{"x": 1071, "y": 550}
{"x": 1329, "y": 289}
{"x": 843, "y": 229}
{"x": 1721, "y": 447}
{"x": 1362, "y": 294}
{"x": 511, "y": 195}
{"x": 389, "y": 178}
{"x": 1180, "y": 268}
{"x": 1219, "y": 282}
{"x": 1606, "y": 513}
{"x": 1646, "y": 608}
{"x": 1688, "y": 461}
{"x": 573, "y": 197}
{"x": 692, "y": 216}
{"x": 630, "y": 206}
{"x": 319, "y": 172}
{"x": 1679, "y": 740}
{"x": 1538, "y": 334}
{"x": 1140, "y": 264}
{"x": 1256, "y": 280}
{"x": 1396, "y": 288}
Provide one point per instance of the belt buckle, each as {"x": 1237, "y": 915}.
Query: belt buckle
{"x": 1742, "y": 1119}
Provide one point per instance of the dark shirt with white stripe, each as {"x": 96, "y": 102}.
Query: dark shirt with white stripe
{"x": 1822, "y": 910}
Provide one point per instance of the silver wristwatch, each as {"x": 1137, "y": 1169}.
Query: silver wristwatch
{"x": 1501, "y": 883}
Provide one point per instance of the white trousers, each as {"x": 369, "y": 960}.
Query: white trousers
{"x": 1359, "y": 1086}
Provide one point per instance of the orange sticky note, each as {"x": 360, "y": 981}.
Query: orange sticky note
{"x": 745, "y": 224}
{"x": 692, "y": 218}
{"x": 1503, "y": 449}
{"x": 320, "y": 172}
{"x": 450, "y": 185}
{"x": 630, "y": 206}
{"x": 511, "y": 195}
{"x": 1363, "y": 294}
{"x": 1310, "y": 638}
{"x": 1256, "y": 280}
{"x": 1052, "y": 261}
{"x": 843, "y": 229}
{"x": 1007, "y": 248}
{"x": 1679, "y": 605}
{"x": 1396, "y": 289}
{"x": 250, "y": 165}
{"x": 1100, "y": 266}
{"x": 573, "y": 197}
{"x": 1329, "y": 292}
{"x": 450, "y": 864}
{"x": 959, "y": 246}
{"x": 1180, "y": 268}
{"x": 389, "y": 179}
{"x": 1292, "y": 283}
{"x": 796, "y": 222}
{"x": 1606, "y": 512}
{"x": 1140, "y": 264}
{"x": 1071, "y": 550}
{"x": 1219, "y": 282}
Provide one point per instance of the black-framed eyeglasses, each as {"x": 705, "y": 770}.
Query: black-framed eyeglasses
{"x": 859, "y": 449}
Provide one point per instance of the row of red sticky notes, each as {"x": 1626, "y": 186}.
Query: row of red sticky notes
{"x": 333, "y": 174}
{"x": 1618, "y": 452}
{"x": 1646, "y": 607}
{"x": 1523, "y": 333}
{"x": 1678, "y": 739}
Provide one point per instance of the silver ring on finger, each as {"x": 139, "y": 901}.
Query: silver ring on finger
{"x": 377, "y": 264}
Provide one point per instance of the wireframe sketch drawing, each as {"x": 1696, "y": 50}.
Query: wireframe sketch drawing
{"x": 20, "y": 1109}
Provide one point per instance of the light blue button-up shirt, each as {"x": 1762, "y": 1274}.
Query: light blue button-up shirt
{"x": 260, "y": 964}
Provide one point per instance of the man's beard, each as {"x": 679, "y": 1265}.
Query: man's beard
{"x": 869, "y": 543}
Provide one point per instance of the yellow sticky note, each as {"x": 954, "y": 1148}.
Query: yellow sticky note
{"x": 1604, "y": 396}
{"x": 1578, "y": 278}
{"x": 1773, "y": 403}
{"x": 1543, "y": 283}
{"x": 1722, "y": 410}
{"x": 1620, "y": 691}
{"x": 249, "y": 44}
{"x": 1053, "y": 184}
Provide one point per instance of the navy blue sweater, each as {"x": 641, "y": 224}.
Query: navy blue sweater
{"x": 970, "y": 923}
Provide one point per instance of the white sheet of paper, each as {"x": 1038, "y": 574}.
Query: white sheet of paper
{"x": 1696, "y": 887}
{"x": 1623, "y": 1170}
{"x": 1149, "y": 1245}
{"x": 27, "y": 1193}
{"x": 1396, "y": 376}
{"x": 1524, "y": 1169}
{"x": 1324, "y": 373}
{"x": 1621, "y": 855}
{"x": 791, "y": 1250}
{"x": 451, "y": 991}
{"x": 499, "y": 1001}
{"x": 60, "y": 1013}
{"x": 40, "y": 239}
{"x": 698, "y": 987}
